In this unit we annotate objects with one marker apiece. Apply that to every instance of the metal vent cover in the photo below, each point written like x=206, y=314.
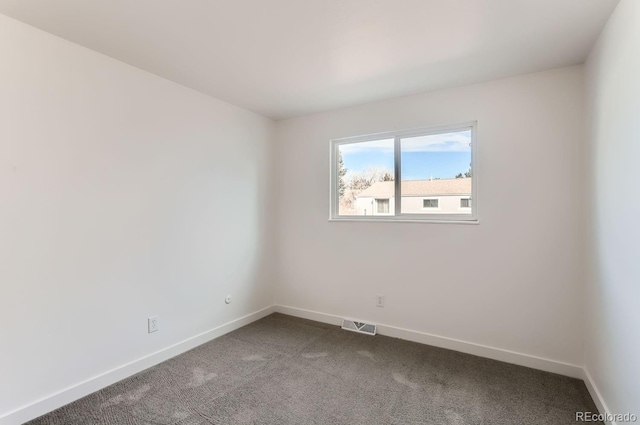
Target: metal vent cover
x=360, y=327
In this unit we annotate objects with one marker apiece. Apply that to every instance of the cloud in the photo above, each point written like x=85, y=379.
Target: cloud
x=459, y=141
x=377, y=146
x=448, y=142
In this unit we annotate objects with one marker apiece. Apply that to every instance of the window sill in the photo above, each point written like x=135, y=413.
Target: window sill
x=402, y=220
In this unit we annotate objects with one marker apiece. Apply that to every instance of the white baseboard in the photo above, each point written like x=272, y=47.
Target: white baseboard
x=75, y=392
x=595, y=395
x=500, y=354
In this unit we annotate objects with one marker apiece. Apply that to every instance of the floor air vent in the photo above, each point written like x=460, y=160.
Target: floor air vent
x=360, y=327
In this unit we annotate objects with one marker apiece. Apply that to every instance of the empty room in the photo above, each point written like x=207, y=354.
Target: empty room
x=350, y=212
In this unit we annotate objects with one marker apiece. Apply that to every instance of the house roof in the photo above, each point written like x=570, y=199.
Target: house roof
x=419, y=188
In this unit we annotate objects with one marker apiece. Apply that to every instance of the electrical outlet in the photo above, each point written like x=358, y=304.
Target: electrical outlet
x=380, y=300
x=154, y=324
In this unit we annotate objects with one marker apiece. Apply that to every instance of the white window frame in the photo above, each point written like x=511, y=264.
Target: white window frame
x=397, y=136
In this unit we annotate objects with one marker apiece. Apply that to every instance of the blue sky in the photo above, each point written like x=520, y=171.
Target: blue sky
x=440, y=155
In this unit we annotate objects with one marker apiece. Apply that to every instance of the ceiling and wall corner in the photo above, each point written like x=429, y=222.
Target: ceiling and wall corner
x=285, y=58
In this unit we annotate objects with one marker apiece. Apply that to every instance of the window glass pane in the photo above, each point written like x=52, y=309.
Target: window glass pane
x=365, y=173
x=430, y=203
x=436, y=166
x=382, y=206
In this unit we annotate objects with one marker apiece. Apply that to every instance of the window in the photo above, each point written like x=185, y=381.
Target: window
x=429, y=203
x=427, y=174
x=382, y=206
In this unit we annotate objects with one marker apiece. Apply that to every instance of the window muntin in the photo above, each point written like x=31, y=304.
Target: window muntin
x=435, y=164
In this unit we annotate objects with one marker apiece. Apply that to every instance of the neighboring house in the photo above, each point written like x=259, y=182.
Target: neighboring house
x=439, y=196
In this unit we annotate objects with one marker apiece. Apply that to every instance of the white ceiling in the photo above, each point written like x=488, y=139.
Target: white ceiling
x=283, y=58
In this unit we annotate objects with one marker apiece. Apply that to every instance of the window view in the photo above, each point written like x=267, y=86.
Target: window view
x=435, y=169
x=361, y=166
x=437, y=166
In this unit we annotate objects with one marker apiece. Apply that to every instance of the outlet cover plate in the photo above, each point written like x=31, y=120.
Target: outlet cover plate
x=154, y=324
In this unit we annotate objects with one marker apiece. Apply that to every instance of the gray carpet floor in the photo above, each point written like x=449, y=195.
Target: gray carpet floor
x=284, y=370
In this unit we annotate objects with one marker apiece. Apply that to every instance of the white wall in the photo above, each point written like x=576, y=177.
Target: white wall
x=367, y=206
x=414, y=205
x=514, y=282
x=122, y=195
x=449, y=204
x=613, y=296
